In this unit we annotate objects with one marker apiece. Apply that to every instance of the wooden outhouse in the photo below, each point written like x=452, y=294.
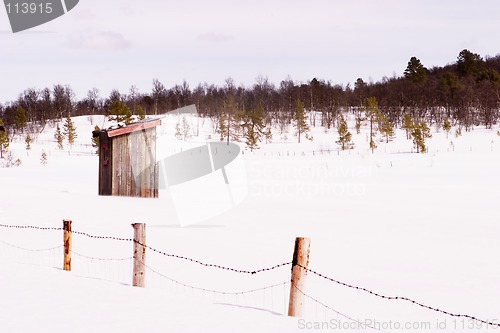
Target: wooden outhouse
x=127, y=160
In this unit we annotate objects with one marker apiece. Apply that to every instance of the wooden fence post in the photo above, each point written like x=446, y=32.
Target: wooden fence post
x=138, y=279
x=299, y=274
x=67, y=245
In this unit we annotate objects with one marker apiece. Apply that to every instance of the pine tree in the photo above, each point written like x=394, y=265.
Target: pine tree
x=229, y=120
x=370, y=107
x=43, y=158
x=140, y=112
x=251, y=138
x=4, y=141
x=469, y=63
x=182, y=129
x=70, y=130
x=59, y=137
x=415, y=71
x=447, y=127
x=119, y=112
x=407, y=125
x=345, y=137
x=95, y=140
x=373, y=145
x=299, y=120
x=20, y=119
x=386, y=128
x=426, y=131
x=419, y=133
x=254, y=128
x=28, y=142
x=359, y=122
x=222, y=127
x=178, y=131
x=418, y=140
x=186, y=128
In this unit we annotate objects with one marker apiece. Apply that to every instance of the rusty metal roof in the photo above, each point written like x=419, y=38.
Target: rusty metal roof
x=117, y=130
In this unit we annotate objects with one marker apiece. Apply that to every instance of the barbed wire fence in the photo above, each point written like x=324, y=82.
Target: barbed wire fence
x=48, y=257
x=329, y=308
x=110, y=269
x=119, y=269
x=400, y=298
x=43, y=256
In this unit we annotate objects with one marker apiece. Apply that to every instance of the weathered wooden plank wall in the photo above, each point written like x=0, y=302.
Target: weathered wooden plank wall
x=105, y=164
x=131, y=169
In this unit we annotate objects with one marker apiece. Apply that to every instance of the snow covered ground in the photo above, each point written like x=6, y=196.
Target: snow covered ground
x=424, y=226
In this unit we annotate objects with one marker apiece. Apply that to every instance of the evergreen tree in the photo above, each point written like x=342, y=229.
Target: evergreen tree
x=407, y=125
x=449, y=83
x=251, y=138
x=345, y=137
x=469, y=63
x=186, y=128
x=419, y=133
x=299, y=120
x=182, y=130
x=222, y=127
x=359, y=122
x=70, y=130
x=4, y=141
x=418, y=140
x=488, y=75
x=386, y=128
x=119, y=112
x=95, y=140
x=28, y=142
x=254, y=128
x=43, y=158
x=59, y=137
x=426, y=131
x=370, y=107
x=229, y=120
x=178, y=131
x=373, y=145
x=447, y=127
x=20, y=119
x=140, y=112
x=415, y=71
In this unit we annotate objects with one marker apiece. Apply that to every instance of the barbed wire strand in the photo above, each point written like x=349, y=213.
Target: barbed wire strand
x=192, y=260
x=30, y=227
x=36, y=255
x=31, y=250
x=120, y=239
x=227, y=293
x=100, y=259
x=104, y=266
x=402, y=298
x=332, y=309
x=242, y=271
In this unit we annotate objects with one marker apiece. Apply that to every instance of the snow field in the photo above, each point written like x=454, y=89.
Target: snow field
x=401, y=224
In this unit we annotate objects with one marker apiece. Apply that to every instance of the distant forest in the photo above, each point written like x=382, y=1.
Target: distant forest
x=467, y=92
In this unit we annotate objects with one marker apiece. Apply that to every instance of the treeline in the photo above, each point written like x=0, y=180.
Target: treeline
x=466, y=92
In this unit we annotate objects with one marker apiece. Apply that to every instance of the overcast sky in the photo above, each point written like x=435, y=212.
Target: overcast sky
x=114, y=44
